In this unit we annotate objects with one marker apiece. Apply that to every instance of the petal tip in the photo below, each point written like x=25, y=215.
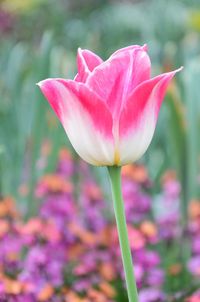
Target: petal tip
x=39, y=83
x=44, y=84
x=175, y=71
x=145, y=47
x=179, y=69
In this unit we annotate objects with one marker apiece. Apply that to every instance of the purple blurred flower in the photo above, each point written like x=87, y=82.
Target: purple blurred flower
x=194, y=265
x=151, y=295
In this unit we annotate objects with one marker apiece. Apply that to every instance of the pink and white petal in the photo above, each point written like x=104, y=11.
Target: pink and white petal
x=131, y=47
x=96, y=108
x=139, y=116
x=141, y=68
x=86, y=62
x=116, y=78
x=135, y=143
x=90, y=144
x=89, y=131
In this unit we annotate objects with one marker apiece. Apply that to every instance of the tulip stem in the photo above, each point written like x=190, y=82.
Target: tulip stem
x=115, y=179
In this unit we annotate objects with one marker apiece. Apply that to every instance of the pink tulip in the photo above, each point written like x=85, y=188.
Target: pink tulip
x=109, y=111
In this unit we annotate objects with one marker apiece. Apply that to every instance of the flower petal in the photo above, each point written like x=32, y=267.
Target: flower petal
x=139, y=116
x=131, y=47
x=116, y=78
x=86, y=61
x=85, y=118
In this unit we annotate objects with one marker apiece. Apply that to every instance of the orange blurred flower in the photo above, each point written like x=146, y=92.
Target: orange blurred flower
x=56, y=183
x=175, y=269
x=46, y=293
x=107, y=289
x=149, y=229
x=107, y=271
x=136, y=173
x=194, y=209
x=7, y=207
x=12, y=287
x=4, y=227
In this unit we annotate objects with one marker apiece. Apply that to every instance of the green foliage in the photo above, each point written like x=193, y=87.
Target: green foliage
x=22, y=110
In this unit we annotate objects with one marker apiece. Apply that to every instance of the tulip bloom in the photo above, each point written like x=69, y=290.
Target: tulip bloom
x=109, y=111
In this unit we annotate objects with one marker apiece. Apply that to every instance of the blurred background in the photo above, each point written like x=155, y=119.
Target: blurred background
x=39, y=39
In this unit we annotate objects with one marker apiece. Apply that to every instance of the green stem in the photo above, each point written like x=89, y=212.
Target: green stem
x=115, y=179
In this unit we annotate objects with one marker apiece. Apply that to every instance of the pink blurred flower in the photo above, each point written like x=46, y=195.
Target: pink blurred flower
x=7, y=21
x=195, y=297
x=109, y=111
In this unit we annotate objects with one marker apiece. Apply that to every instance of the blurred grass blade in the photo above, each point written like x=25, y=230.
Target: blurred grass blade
x=177, y=142
x=192, y=95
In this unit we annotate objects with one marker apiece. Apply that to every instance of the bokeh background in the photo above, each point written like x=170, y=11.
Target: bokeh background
x=45, y=202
